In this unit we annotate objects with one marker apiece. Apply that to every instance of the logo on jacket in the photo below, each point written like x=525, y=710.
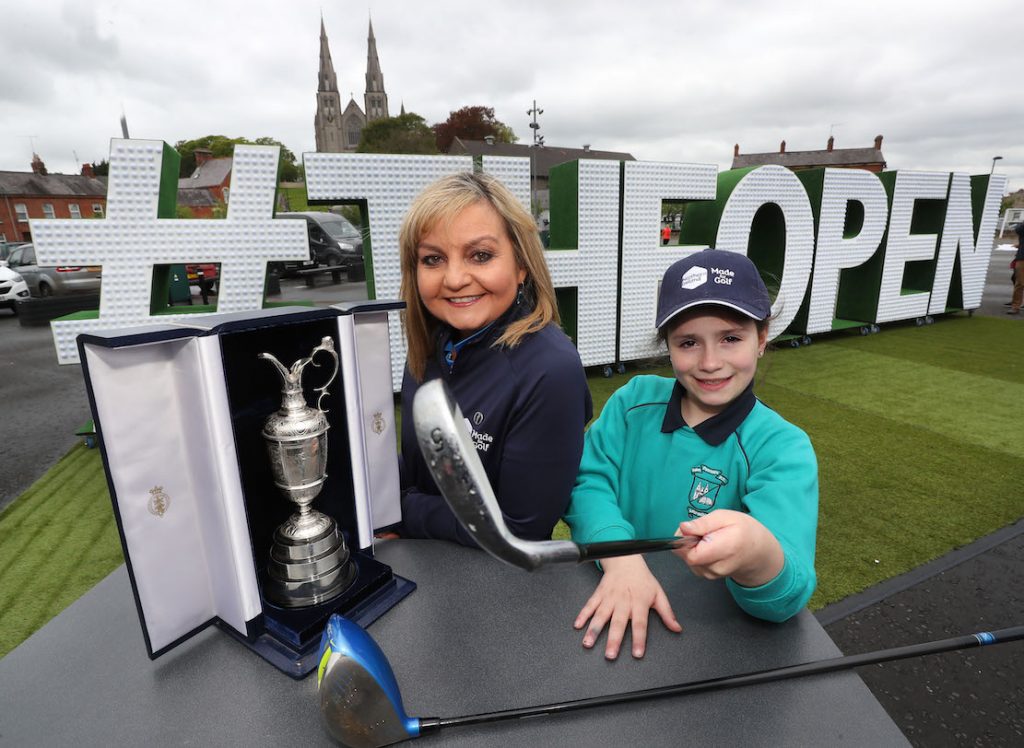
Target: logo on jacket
x=704, y=489
x=482, y=441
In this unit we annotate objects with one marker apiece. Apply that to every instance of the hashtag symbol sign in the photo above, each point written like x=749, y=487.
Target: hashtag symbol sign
x=132, y=239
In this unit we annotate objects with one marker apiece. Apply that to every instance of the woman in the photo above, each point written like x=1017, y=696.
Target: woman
x=481, y=315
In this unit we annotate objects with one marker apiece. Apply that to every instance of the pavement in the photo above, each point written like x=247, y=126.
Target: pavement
x=967, y=698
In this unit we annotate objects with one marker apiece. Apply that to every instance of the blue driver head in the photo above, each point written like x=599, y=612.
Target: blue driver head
x=359, y=699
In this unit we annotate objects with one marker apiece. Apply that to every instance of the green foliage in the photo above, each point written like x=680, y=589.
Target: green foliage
x=406, y=133
x=221, y=146
x=472, y=123
x=100, y=168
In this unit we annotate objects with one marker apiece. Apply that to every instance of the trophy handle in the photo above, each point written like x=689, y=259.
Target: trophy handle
x=327, y=344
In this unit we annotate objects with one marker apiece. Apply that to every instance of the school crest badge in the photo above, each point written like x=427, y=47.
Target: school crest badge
x=159, y=502
x=704, y=488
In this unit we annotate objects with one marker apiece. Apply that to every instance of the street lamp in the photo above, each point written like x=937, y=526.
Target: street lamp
x=993, y=169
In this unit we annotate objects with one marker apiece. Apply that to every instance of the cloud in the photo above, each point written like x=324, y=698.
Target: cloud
x=663, y=81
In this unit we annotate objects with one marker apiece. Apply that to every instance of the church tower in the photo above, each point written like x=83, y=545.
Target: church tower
x=331, y=135
x=375, y=99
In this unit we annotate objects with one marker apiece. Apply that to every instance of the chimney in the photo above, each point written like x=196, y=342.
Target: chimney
x=489, y=139
x=586, y=146
x=87, y=171
x=782, y=147
x=736, y=150
x=878, y=142
x=202, y=156
x=38, y=167
x=831, y=142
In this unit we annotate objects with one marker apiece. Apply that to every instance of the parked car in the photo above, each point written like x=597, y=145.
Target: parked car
x=12, y=289
x=204, y=275
x=6, y=248
x=49, y=281
x=333, y=242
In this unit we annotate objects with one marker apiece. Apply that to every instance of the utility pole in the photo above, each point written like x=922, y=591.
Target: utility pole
x=538, y=141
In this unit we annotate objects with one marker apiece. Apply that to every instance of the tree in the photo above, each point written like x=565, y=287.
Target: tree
x=221, y=146
x=406, y=133
x=472, y=123
x=100, y=168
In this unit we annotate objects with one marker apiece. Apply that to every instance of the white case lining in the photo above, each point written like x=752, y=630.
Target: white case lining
x=186, y=562
x=366, y=361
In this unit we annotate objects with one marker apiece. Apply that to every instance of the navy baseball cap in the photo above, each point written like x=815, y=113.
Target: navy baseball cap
x=713, y=276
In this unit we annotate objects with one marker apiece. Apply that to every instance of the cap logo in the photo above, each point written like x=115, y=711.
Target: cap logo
x=723, y=276
x=694, y=277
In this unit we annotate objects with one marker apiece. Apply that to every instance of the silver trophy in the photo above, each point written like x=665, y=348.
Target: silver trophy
x=309, y=562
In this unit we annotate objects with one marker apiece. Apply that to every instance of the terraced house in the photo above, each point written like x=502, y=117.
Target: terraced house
x=39, y=194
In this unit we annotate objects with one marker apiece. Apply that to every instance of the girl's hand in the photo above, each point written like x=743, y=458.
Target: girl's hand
x=626, y=592
x=734, y=544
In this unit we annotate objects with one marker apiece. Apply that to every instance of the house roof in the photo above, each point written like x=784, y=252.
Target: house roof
x=196, y=197
x=791, y=159
x=63, y=185
x=544, y=157
x=211, y=174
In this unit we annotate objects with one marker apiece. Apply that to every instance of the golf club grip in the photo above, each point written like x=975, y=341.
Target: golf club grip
x=1001, y=636
x=612, y=548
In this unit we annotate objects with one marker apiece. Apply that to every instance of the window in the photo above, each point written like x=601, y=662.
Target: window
x=3, y=237
x=97, y=210
x=22, y=211
x=48, y=211
x=227, y=191
x=76, y=212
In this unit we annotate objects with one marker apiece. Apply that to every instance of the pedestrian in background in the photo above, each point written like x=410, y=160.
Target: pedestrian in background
x=1018, y=272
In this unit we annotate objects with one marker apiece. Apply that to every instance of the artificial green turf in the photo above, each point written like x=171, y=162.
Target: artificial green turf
x=917, y=433
x=57, y=540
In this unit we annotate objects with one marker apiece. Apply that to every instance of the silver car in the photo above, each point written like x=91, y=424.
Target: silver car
x=50, y=281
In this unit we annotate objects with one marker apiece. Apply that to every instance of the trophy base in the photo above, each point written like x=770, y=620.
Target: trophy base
x=308, y=572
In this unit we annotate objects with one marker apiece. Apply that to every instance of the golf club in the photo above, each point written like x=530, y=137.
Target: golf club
x=460, y=476
x=362, y=707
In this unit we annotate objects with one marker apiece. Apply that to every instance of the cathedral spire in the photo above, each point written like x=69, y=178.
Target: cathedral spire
x=375, y=99
x=328, y=81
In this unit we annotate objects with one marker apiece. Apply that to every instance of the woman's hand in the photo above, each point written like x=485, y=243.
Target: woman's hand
x=626, y=592
x=733, y=544
x=388, y=535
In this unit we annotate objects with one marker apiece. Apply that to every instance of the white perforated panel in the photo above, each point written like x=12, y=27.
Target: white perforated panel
x=834, y=253
x=514, y=173
x=593, y=266
x=644, y=259
x=388, y=183
x=778, y=185
x=958, y=236
x=902, y=247
x=131, y=240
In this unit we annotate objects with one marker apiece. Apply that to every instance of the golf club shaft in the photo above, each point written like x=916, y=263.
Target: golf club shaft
x=1013, y=633
x=612, y=548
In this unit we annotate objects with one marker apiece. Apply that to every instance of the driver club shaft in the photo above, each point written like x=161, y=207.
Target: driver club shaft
x=847, y=662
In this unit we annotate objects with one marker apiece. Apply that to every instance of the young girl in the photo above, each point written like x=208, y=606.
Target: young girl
x=699, y=455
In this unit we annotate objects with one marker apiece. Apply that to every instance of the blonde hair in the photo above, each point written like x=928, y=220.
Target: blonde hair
x=443, y=201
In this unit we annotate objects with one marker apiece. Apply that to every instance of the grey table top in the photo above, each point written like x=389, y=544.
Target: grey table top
x=476, y=636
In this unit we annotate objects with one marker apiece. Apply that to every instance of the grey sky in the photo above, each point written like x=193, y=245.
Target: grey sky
x=671, y=81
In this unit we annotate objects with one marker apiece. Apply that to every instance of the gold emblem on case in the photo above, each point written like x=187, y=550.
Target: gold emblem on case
x=378, y=423
x=159, y=502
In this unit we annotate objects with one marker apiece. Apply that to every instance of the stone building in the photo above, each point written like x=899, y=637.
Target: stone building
x=339, y=130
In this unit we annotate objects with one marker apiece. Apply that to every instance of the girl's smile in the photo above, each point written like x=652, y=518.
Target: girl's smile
x=714, y=355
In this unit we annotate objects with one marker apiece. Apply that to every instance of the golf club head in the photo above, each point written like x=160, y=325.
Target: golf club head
x=360, y=703
x=451, y=456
